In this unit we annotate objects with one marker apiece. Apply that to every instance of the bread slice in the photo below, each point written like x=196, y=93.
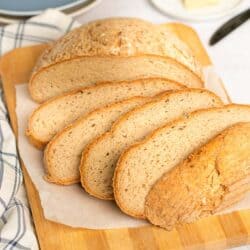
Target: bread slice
x=113, y=50
x=63, y=153
x=142, y=165
x=212, y=178
x=52, y=116
x=100, y=157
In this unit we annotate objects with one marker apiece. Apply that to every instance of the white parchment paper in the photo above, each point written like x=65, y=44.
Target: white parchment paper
x=71, y=205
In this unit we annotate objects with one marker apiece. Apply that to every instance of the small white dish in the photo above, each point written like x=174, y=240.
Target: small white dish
x=175, y=8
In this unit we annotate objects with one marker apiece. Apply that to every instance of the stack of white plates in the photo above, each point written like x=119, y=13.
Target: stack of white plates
x=15, y=10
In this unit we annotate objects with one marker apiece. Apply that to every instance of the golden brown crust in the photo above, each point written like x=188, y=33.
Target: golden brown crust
x=120, y=164
x=212, y=178
x=38, y=143
x=115, y=126
x=48, y=150
x=119, y=37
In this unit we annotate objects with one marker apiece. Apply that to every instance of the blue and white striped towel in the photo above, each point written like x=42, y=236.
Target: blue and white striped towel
x=16, y=228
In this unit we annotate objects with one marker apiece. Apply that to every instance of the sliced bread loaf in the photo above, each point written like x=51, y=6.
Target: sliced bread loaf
x=212, y=178
x=52, y=116
x=63, y=153
x=143, y=164
x=113, y=50
x=100, y=157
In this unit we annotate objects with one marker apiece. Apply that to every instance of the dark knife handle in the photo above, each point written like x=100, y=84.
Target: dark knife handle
x=229, y=26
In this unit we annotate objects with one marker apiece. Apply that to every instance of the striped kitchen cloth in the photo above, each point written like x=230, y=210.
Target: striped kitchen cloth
x=16, y=227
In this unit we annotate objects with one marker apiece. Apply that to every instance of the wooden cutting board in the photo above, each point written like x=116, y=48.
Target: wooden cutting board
x=217, y=232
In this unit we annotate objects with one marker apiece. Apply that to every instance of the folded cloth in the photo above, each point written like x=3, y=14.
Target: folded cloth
x=16, y=227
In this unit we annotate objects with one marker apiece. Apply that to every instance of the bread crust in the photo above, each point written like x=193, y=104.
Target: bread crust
x=115, y=126
x=38, y=143
x=119, y=37
x=210, y=179
x=120, y=166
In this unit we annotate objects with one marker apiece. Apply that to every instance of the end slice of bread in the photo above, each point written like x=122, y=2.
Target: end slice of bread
x=143, y=164
x=100, y=157
x=52, y=116
x=212, y=178
x=63, y=153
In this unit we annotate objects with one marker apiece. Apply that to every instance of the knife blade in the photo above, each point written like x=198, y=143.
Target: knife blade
x=229, y=26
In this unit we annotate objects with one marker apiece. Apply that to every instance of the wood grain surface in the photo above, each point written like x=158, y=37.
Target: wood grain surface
x=217, y=232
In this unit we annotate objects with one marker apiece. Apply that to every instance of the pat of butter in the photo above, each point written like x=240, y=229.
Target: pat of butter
x=194, y=4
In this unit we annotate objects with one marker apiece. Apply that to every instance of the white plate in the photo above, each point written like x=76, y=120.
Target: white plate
x=175, y=8
x=73, y=12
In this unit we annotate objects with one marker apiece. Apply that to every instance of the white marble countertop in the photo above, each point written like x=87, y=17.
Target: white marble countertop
x=231, y=56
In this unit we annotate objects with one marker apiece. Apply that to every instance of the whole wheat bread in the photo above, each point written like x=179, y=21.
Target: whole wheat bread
x=115, y=49
x=100, y=157
x=63, y=153
x=52, y=116
x=143, y=164
x=212, y=178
